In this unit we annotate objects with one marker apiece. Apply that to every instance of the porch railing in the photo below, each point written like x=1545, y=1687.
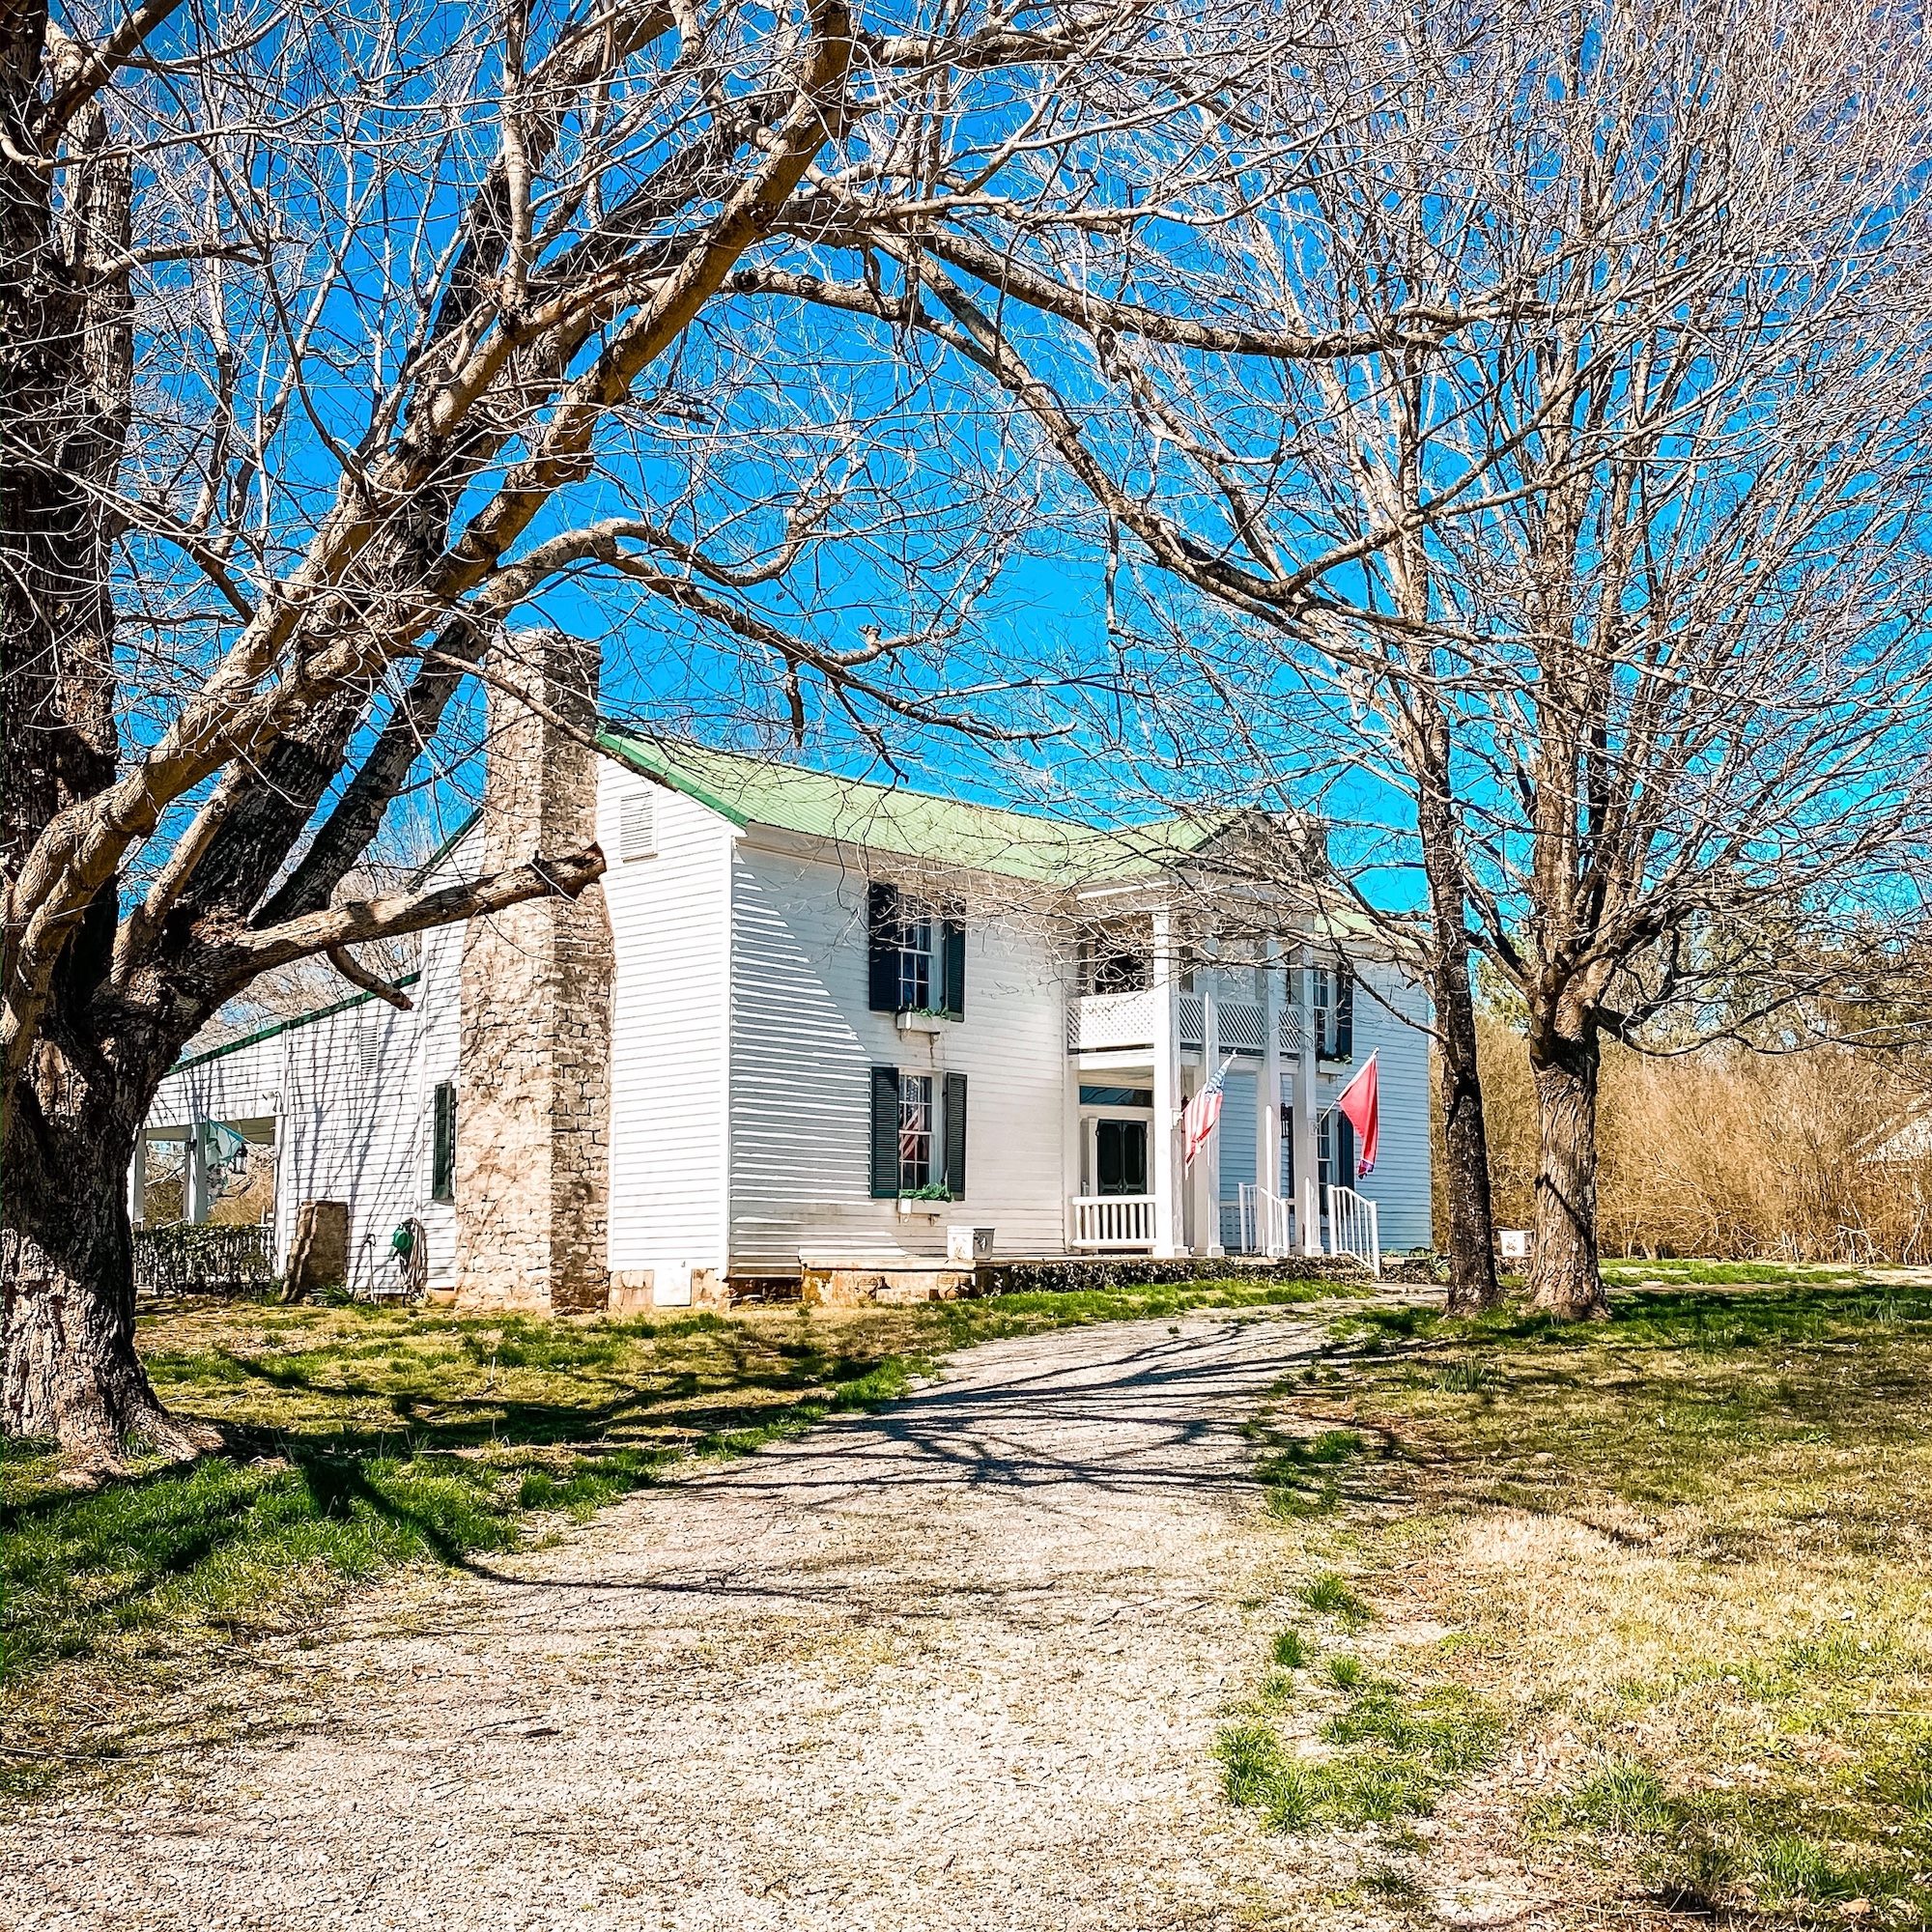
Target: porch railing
x=1267, y=1222
x=1100, y=1020
x=1112, y=1221
x=1353, y=1229
x=1242, y=1029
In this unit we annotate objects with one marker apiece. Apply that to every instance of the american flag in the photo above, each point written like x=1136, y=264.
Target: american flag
x=1199, y=1116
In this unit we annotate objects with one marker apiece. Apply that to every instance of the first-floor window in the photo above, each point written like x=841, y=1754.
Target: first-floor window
x=915, y=1131
x=443, y=1143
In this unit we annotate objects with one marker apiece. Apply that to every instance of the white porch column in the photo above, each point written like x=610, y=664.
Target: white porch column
x=137, y=1180
x=1164, y=1148
x=1307, y=1180
x=1069, y=1136
x=1208, y=1223
x=194, y=1174
x=1267, y=1093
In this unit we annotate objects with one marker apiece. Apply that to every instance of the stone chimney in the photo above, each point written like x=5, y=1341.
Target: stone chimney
x=533, y=1088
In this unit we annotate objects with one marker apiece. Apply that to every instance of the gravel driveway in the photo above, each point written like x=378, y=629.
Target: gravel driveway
x=953, y=1665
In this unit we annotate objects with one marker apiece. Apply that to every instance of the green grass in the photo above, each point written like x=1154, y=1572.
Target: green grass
x=1292, y=1651
x=1690, y=1540
x=1725, y=1274
x=1329, y=1595
x=1388, y=1755
x=365, y=1439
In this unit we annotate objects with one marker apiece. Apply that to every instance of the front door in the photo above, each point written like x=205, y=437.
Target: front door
x=1121, y=1156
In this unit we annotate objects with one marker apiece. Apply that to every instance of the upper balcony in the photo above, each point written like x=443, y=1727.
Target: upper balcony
x=1121, y=1022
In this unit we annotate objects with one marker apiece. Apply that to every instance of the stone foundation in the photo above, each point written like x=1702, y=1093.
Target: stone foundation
x=533, y=1092
x=858, y=1284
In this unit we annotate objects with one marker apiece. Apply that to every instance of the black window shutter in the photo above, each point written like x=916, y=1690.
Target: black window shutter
x=956, y=1135
x=1288, y=1151
x=1345, y=1012
x=882, y=951
x=1344, y=1149
x=885, y=1132
x=952, y=969
x=443, y=1143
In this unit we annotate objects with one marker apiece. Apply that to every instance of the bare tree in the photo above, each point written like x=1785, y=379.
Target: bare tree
x=1487, y=378
x=329, y=338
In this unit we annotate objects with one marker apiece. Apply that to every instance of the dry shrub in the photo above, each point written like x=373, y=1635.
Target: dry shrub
x=1729, y=1153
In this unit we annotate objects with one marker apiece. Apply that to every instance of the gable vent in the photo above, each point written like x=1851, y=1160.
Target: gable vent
x=637, y=827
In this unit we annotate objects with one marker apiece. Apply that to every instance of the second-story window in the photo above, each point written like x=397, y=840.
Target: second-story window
x=915, y=1132
x=1334, y=1011
x=915, y=966
x=915, y=956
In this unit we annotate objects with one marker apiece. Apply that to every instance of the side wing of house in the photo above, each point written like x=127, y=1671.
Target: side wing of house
x=336, y=1096
x=807, y=1049
x=1391, y=1018
x=347, y=1097
x=669, y=890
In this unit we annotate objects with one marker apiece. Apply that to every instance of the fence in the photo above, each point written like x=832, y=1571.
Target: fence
x=202, y=1258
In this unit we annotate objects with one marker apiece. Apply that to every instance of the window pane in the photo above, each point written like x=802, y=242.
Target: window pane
x=915, y=964
x=915, y=1131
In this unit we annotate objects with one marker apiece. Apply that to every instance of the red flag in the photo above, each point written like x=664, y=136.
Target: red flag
x=1359, y=1100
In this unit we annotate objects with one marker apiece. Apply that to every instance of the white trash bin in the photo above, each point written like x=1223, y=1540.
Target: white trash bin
x=968, y=1244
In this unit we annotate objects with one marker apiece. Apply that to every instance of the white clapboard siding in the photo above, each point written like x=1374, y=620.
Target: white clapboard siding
x=1390, y=1015
x=439, y=997
x=670, y=931
x=342, y=1091
x=349, y=1096
x=804, y=1041
x=351, y=1092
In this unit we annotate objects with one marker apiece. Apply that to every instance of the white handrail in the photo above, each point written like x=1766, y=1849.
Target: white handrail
x=1353, y=1230
x=1112, y=1221
x=1267, y=1222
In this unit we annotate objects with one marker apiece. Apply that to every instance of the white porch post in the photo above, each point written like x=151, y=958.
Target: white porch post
x=1070, y=1138
x=1164, y=1153
x=1307, y=1180
x=137, y=1180
x=194, y=1174
x=1267, y=1093
x=1209, y=1225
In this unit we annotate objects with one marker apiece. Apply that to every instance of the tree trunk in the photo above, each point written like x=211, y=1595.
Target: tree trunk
x=1470, y=1234
x=66, y=1287
x=1473, y=1287
x=1567, y=1282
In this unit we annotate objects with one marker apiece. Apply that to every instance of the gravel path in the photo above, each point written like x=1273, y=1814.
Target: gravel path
x=953, y=1665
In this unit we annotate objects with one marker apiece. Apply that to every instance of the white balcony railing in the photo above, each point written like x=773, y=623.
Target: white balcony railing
x=1243, y=1029
x=1266, y=1222
x=1353, y=1229
x=1112, y=1221
x=1099, y=1020
x=1291, y=1032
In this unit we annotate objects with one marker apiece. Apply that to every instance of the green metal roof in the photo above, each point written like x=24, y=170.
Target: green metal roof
x=274, y=1027
x=893, y=818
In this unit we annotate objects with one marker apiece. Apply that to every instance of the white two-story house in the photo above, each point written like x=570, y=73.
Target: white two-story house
x=807, y=1020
